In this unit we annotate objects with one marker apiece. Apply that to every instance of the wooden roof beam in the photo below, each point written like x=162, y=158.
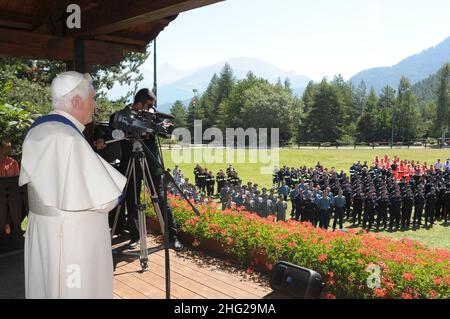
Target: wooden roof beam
x=40, y=46
x=16, y=21
x=116, y=15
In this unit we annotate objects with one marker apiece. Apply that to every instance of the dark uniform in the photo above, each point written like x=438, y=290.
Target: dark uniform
x=419, y=202
x=395, y=208
x=430, y=207
x=210, y=181
x=440, y=202
x=348, y=200
x=299, y=203
x=197, y=170
x=202, y=181
x=339, y=206
x=357, y=207
x=369, y=212
x=220, y=182
x=408, y=203
x=308, y=212
x=446, y=200
x=382, y=210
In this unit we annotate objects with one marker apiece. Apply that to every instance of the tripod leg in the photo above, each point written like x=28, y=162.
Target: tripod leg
x=154, y=196
x=119, y=207
x=143, y=228
x=163, y=222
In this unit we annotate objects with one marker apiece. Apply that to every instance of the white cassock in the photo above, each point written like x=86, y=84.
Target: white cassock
x=71, y=189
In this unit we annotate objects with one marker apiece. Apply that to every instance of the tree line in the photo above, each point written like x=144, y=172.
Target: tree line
x=328, y=111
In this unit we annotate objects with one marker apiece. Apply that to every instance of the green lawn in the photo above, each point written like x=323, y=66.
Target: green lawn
x=341, y=159
x=438, y=236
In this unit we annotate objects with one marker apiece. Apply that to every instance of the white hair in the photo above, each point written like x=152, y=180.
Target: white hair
x=64, y=103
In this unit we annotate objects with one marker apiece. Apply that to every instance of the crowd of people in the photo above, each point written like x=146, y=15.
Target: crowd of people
x=378, y=197
x=403, y=168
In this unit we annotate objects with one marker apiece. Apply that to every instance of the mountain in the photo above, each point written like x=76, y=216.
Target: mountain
x=183, y=88
x=176, y=84
x=168, y=74
x=426, y=90
x=415, y=68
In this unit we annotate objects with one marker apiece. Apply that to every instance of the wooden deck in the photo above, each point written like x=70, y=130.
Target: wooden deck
x=193, y=276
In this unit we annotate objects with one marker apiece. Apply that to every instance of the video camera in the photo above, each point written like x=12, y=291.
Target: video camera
x=137, y=123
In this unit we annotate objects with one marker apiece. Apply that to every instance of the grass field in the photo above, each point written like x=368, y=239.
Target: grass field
x=438, y=236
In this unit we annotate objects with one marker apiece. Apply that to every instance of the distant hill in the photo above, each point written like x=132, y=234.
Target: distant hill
x=426, y=89
x=415, y=68
x=182, y=86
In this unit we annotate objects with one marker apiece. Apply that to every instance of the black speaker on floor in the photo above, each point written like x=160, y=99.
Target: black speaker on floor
x=295, y=281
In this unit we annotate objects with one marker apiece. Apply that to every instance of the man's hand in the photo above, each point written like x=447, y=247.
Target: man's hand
x=100, y=144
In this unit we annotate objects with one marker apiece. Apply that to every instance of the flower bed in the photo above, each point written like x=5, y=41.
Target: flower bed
x=353, y=265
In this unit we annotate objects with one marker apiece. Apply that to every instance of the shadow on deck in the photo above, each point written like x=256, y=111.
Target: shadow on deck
x=193, y=276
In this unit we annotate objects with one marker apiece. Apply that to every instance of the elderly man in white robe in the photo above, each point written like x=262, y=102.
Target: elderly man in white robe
x=71, y=190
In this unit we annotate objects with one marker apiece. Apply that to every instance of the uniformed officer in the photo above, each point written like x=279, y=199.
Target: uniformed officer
x=408, y=203
x=197, y=170
x=395, y=208
x=293, y=195
x=280, y=209
x=249, y=204
x=339, y=203
x=382, y=205
x=357, y=200
x=221, y=179
x=419, y=202
x=210, y=181
x=430, y=207
x=369, y=211
x=202, y=180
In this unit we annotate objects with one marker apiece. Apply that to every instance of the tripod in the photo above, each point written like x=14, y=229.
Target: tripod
x=139, y=157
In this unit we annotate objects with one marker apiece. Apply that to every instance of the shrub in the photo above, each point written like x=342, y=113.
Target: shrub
x=349, y=261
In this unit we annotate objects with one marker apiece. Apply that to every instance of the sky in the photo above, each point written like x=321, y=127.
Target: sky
x=315, y=38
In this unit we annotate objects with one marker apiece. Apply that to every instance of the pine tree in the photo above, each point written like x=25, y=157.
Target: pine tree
x=361, y=97
x=219, y=90
x=386, y=106
x=178, y=110
x=405, y=115
x=194, y=112
x=324, y=121
x=442, y=121
x=366, y=126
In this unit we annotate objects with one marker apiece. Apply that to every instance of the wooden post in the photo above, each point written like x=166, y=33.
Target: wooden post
x=79, y=62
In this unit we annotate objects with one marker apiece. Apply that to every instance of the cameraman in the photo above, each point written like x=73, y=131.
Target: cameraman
x=143, y=100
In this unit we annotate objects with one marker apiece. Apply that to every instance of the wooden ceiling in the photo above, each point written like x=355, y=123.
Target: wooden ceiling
x=109, y=28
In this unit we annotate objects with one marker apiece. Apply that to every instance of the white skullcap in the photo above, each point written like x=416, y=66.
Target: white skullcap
x=66, y=82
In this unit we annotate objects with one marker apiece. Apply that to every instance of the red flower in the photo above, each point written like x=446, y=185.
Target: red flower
x=408, y=276
x=292, y=244
x=322, y=257
x=406, y=295
x=380, y=292
x=438, y=281
x=249, y=270
x=330, y=296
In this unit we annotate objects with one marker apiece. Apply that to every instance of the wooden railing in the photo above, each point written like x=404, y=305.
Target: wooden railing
x=13, y=209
